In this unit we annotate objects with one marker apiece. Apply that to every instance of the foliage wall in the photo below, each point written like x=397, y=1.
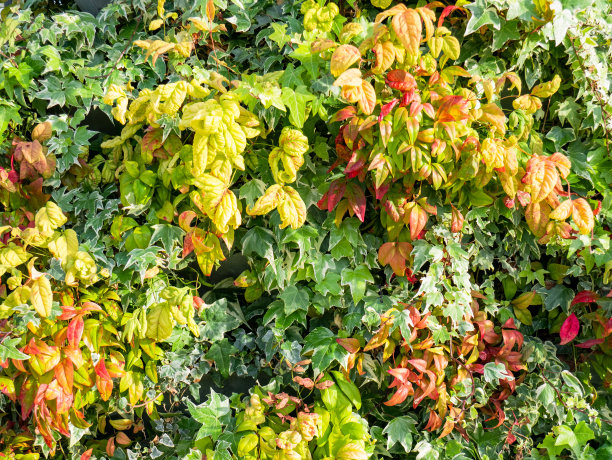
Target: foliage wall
x=257, y=229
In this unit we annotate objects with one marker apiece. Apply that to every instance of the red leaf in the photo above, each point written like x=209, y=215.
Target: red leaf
x=68, y=312
x=590, y=343
x=386, y=109
x=103, y=380
x=356, y=199
x=446, y=11
x=187, y=245
x=585, y=297
x=355, y=165
x=89, y=306
x=344, y=114
x=87, y=454
x=335, y=194
x=75, y=331
x=569, y=329
x=399, y=396
x=400, y=80
x=452, y=108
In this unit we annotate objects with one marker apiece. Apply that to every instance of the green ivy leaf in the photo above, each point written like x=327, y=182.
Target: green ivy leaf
x=494, y=372
x=213, y=415
x=482, y=15
x=169, y=235
x=399, y=430
x=295, y=299
x=356, y=280
x=297, y=102
x=8, y=349
x=279, y=34
x=220, y=353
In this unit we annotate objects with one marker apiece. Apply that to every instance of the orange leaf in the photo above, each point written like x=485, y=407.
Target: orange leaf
x=87, y=454
x=110, y=446
x=64, y=373
x=367, y=100
x=399, y=396
x=448, y=427
x=542, y=177
x=407, y=27
x=562, y=163
x=350, y=345
x=395, y=255
x=537, y=218
x=122, y=439
x=582, y=214
x=456, y=220
x=418, y=219
x=344, y=56
x=210, y=10
x=75, y=331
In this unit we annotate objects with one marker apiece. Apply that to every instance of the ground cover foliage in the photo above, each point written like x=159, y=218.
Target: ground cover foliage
x=306, y=230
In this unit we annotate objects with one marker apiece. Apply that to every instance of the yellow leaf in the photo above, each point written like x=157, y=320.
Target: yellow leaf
x=563, y=211
x=201, y=24
x=200, y=154
x=114, y=92
x=293, y=141
x=42, y=296
x=528, y=103
x=13, y=255
x=547, y=89
x=175, y=98
x=42, y=132
x=492, y=153
x=119, y=111
x=292, y=209
x=493, y=114
x=291, y=165
x=64, y=246
x=139, y=107
x=582, y=214
x=209, y=254
x=344, y=56
x=210, y=10
x=385, y=55
x=562, y=163
x=524, y=300
x=157, y=48
x=350, y=77
x=509, y=183
x=407, y=27
x=218, y=202
x=451, y=47
x=156, y=24
x=428, y=16
x=196, y=90
x=268, y=201
x=513, y=78
x=49, y=218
